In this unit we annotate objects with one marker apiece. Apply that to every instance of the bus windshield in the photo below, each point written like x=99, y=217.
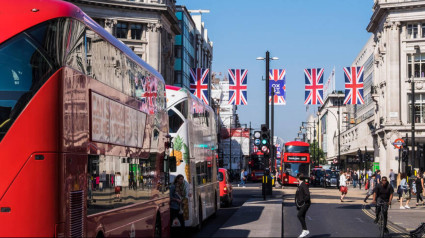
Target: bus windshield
x=297, y=149
x=257, y=163
x=294, y=168
x=23, y=67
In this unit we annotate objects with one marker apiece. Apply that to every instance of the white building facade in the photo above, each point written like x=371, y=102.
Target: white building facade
x=394, y=54
x=331, y=117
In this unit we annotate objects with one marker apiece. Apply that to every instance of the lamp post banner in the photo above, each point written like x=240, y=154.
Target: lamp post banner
x=277, y=83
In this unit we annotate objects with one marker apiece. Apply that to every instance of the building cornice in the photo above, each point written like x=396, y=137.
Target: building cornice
x=382, y=9
x=165, y=10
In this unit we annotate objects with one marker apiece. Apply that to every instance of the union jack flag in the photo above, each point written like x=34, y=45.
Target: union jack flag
x=353, y=85
x=238, y=88
x=313, y=86
x=199, y=83
x=278, y=84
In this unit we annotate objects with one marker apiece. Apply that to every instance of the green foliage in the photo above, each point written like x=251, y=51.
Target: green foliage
x=316, y=154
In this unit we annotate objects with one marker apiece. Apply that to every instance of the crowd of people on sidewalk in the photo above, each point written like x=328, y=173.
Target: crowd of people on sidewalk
x=370, y=180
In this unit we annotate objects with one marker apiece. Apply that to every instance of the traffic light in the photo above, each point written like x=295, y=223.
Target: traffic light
x=265, y=135
x=405, y=154
x=359, y=155
x=369, y=158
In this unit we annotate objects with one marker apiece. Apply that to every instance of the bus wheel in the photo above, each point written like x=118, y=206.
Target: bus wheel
x=199, y=227
x=157, y=227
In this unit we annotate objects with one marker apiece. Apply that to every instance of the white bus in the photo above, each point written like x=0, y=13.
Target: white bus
x=192, y=125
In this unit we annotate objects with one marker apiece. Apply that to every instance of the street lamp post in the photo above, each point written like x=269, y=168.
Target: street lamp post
x=339, y=132
x=267, y=78
x=314, y=139
x=413, y=160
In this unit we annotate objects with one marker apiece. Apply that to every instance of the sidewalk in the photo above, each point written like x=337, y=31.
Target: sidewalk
x=255, y=218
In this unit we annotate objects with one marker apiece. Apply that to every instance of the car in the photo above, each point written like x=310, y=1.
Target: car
x=330, y=179
x=226, y=189
x=315, y=175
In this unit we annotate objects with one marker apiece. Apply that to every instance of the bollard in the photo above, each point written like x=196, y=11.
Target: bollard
x=263, y=186
x=269, y=185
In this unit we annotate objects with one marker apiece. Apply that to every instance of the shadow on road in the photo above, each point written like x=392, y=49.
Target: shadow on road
x=354, y=206
x=322, y=235
x=232, y=233
x=245, y=215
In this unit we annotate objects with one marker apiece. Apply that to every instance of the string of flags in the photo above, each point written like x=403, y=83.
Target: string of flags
x=316, y=90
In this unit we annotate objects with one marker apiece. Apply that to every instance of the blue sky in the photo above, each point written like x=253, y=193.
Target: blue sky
x=301, y=33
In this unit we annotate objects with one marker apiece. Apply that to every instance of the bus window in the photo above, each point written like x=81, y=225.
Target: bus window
x=296, y=149
x=175, y=121
x=183, y=108
x=23, y=68
x=294, y=168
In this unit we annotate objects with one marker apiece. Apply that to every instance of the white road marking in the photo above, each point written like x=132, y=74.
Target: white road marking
x=309, y=218
x=359, y=219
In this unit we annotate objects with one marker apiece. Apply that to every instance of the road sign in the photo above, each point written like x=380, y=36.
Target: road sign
x=398, y=143
x=257, y=134
x=257, y=142
x=264, y=148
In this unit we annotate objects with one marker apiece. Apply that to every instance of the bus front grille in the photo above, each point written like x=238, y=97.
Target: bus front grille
x=76, y=214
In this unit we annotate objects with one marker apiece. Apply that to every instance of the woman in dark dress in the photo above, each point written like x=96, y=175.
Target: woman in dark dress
x=419, y=189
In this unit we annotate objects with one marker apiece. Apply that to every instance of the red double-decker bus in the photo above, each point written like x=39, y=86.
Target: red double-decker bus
x=257, y=166
x=296, y=159
x=83, y=126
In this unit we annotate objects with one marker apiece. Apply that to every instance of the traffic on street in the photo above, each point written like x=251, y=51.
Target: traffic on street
x=130, y=118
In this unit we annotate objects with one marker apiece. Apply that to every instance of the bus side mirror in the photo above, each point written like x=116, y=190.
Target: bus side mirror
x=172, y=163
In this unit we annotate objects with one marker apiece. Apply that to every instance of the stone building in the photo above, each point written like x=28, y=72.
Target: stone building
x=398, y=29
x=331, y=117
x=148, y=27
x=356, y=137
x=393, y=55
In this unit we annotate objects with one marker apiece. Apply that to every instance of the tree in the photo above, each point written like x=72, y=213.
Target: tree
x=317, y=154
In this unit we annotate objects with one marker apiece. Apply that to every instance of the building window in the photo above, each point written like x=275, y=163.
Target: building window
x=423, y=30
x=122, y=30
x=177, y=77
x=412, y=31
x=177, y=51
x=416, y=65
x=419, y=108
x=136, y=31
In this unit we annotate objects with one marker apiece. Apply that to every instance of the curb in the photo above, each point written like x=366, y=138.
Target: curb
x=367, y=209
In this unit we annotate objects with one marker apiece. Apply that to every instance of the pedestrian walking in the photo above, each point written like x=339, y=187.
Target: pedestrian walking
x=369, y=174
x=355, y=179
x=176, y=200
x=302, y=202
x=392, y=179
x=378, y=176
x=404, y=191
x=243, y=178
x=419, y=189
x=343, y=185
x=372, y=185
x=360, y=179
